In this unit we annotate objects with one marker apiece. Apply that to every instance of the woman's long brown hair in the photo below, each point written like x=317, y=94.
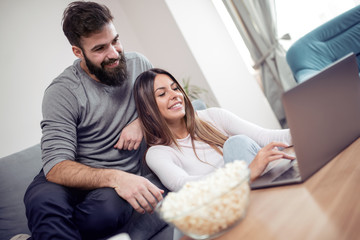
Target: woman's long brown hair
x=156, y=130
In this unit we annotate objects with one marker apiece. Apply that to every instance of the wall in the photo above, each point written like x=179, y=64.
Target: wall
x=163, y=43
x=34, y=51
x=220, y=62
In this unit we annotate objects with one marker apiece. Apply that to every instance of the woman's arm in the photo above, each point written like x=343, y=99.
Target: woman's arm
x=231, y=124
x=270, y=140
x=164, y=164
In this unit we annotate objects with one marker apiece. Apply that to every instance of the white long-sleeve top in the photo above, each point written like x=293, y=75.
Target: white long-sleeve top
x=175, y=166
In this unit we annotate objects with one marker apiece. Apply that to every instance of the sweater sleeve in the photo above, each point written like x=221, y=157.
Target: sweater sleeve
x=231, y=125
x=163, y=162
x=58, y=142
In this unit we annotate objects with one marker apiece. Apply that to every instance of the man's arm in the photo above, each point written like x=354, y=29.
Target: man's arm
x=138, y=191
x=130, y=137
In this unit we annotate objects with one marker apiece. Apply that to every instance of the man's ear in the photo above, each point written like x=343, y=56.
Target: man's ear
x=78, y=52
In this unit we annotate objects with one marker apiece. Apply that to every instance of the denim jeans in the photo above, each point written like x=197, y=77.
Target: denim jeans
x=240, y=147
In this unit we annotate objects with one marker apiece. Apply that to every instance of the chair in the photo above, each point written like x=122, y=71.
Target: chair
x=325, y=44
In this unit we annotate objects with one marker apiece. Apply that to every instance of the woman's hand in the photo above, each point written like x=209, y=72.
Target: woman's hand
x=266, y=155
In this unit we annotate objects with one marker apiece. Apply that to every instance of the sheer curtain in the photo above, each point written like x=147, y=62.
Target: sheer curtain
x=256, y=22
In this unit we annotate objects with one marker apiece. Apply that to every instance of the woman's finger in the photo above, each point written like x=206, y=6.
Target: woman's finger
x=275, y=144
x=290, y=157
x=274, y=157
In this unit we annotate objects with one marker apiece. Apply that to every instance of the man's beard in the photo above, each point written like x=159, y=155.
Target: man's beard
x=112, y=77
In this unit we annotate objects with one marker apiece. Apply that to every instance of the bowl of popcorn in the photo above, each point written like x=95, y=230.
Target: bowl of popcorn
x=209, y=207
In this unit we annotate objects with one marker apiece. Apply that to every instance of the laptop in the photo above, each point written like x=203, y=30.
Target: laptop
x=323, y=114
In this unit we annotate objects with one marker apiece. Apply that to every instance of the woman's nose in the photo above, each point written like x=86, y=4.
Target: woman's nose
x=174, y=94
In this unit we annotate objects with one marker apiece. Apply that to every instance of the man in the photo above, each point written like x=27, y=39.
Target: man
x=92, y=141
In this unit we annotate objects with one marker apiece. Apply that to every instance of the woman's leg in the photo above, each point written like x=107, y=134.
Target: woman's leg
x=240, y=147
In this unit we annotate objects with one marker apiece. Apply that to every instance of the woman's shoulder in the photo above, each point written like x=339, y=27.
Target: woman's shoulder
x=160, y=153
x=159, y=149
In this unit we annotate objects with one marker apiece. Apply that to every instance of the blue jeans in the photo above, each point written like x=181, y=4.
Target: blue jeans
x=240, y=147
x=58, y=212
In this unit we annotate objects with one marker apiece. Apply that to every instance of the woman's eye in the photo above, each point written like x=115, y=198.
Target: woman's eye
x=161, y=94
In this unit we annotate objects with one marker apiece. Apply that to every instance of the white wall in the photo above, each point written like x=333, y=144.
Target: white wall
x=34, y=51
x=162, y=42
x=220, y=62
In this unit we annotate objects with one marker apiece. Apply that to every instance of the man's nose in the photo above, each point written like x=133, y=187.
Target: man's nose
x=113, y=52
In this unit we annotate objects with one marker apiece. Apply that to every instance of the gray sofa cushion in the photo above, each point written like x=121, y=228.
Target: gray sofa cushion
x=16, y=173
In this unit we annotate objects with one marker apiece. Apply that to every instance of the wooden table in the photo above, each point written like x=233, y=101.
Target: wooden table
x=326, y=206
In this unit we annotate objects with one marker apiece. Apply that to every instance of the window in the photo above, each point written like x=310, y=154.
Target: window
x=294, y=17
x=300, y=17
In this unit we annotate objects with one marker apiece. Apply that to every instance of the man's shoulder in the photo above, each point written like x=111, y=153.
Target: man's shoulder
x=135, y=55
x=137, y=60
x=136, y=63
x=69, y=78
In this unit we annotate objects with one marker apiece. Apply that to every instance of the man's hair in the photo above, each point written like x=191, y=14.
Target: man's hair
x=81, y=19
x=156, y=130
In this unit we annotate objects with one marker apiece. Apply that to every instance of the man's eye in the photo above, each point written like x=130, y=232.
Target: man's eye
x=99, y=49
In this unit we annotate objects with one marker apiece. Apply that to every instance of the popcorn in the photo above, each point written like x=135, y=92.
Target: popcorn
x=208, y=206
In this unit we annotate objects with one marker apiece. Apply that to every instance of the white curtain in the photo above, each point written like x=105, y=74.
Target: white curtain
x=256, y=22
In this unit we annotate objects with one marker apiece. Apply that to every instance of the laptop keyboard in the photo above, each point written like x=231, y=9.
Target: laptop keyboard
x=291, y=173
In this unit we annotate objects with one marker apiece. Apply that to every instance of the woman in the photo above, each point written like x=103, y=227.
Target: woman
x=185, y=146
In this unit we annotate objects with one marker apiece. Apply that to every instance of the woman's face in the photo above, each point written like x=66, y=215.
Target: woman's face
x=169, y=98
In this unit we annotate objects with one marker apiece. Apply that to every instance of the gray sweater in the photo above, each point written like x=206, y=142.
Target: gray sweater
x=83, y=119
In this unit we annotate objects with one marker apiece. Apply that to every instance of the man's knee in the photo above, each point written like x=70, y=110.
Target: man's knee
x=47, y=205
x=101, y=213
x=46, y=197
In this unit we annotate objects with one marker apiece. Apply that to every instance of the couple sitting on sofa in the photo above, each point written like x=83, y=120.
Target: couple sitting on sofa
x=91, y=179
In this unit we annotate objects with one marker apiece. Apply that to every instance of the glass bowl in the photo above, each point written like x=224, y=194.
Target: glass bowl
x=201, y=214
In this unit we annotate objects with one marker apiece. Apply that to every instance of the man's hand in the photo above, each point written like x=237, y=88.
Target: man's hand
x=130, y=137
x=138, y=191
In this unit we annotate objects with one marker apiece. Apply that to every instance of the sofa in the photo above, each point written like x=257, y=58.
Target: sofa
x=16, y=172
x=325, y=45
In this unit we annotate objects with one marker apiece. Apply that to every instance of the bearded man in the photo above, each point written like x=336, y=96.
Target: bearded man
x=92, y=143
